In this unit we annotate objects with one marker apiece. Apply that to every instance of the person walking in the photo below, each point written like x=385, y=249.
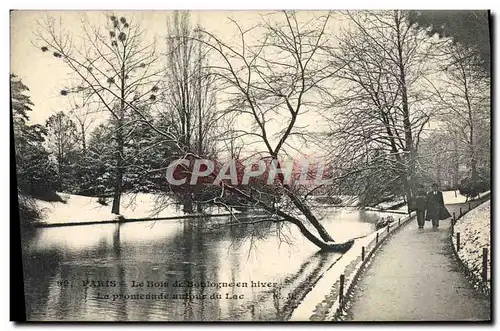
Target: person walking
x=420, y=206
x=436, y=209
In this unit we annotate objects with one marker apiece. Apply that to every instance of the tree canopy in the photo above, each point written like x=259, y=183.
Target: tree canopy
x=470, y=28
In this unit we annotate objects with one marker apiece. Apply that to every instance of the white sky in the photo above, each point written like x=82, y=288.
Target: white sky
x=47, y=76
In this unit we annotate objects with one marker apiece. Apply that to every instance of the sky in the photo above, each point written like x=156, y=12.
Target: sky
x=46, y=76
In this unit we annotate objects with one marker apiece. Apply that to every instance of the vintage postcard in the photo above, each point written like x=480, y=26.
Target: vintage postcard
x=182, y=166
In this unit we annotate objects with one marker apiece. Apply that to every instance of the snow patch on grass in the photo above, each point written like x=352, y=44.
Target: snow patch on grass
x=390, y=204
x=449, y=197
x=452, y=197
x=77, y=208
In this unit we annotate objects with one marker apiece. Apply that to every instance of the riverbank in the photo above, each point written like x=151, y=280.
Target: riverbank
x=176, y=250
x=323, y=301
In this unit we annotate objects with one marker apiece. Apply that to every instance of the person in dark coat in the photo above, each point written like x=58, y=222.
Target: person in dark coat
x=436, y=210
x=420, y=205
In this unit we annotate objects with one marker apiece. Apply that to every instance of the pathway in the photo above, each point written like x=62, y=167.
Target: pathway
x=415, y=277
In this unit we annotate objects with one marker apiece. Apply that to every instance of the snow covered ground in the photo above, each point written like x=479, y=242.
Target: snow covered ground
x=389, y=204
x=77, y=208
x=451, y=197
x=475, y=234
x=74, y=209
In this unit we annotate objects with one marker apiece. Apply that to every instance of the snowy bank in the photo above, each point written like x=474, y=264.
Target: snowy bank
x=74, y=208
x=77, y=208
x=475, y=234
x=449, y=197
x=452, y=197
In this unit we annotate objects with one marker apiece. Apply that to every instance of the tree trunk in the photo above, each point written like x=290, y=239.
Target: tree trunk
x=471, y=127
x=200, y=122
x=117, y=194
x=325, y=245
x=456, y=166
x=473, y=169
x=309, y=215
x=304, y=209
x=115, y=209
x=199, y=101
x=84, y=143
x=409, y=146
x=119, y=173
x=473, y=163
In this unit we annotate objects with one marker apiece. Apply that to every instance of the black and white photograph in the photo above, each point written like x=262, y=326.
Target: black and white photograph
x=251, y=165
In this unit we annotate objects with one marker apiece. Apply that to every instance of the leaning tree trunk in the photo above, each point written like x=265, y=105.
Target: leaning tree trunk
x=324, y=245
x=325, y=242
x=310, y=216
x=304, y=209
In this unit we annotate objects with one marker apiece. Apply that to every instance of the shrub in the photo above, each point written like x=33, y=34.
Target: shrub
x=336, y=201
x=329, y=200
x=102, y=200
x=471, y=189
x=29, y=211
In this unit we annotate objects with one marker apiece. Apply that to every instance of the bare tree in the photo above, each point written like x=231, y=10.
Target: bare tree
x=276, y=78
x=189, y=97
x=379, y=109
x=190, y=92
x=231, y=140
x=62, y=141
x=440, y=157
x=83, y=114
x=463, y=100
x=115, y=66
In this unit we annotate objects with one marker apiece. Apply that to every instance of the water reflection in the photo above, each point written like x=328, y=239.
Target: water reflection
x=102, y=263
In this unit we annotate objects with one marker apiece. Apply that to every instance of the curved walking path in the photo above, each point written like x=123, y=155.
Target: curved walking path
x=415, y=277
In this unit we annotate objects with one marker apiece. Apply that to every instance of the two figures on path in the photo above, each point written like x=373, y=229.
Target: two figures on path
x=430, y=207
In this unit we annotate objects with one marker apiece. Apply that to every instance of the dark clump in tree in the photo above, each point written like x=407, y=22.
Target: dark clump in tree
x=468, y=27
x=472, y=188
